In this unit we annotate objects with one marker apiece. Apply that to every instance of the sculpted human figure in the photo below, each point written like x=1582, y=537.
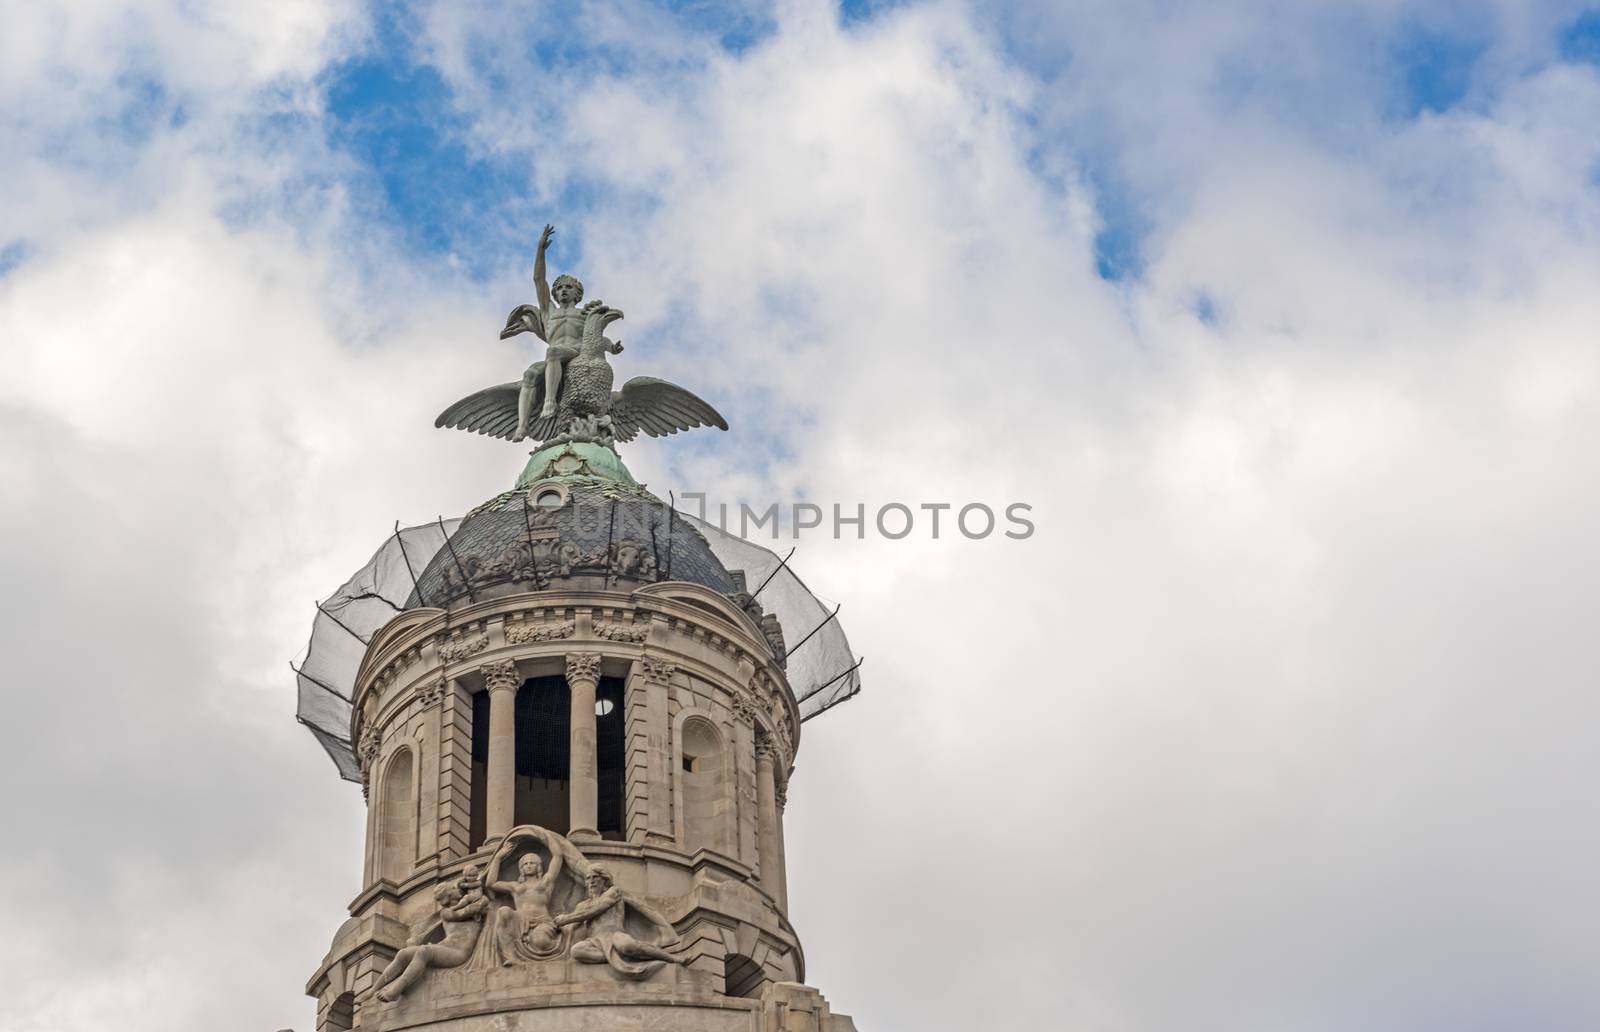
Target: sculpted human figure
x=460, y=914
x=605, y=940
x=527, y=929
x=572, y=385
x=558, y=322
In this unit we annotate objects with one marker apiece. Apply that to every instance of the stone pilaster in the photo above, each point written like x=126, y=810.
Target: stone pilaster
x=455, y=772
x=649, y=756
x=768, y=827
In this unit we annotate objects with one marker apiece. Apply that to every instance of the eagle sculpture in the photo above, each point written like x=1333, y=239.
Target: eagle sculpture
x=586, y=408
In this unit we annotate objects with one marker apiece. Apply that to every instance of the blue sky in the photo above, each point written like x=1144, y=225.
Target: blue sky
x=421, y=172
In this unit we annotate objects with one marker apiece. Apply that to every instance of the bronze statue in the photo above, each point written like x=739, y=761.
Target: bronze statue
x=571, y=386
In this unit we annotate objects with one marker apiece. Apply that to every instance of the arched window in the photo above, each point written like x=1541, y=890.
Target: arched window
x=707, y=798
x=397, y=819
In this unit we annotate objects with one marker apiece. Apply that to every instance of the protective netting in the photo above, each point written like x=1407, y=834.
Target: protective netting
x=346, y=622
x=821, y=668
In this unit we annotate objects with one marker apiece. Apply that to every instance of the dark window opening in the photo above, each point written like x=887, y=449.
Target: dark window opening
x=341, y=1014
x=611, y=755
x=690, y=763
x=742, y=976
x=544, y=749
x=478, y=805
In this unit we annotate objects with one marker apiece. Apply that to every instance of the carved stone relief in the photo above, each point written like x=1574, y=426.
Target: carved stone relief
x=542, y=554
x=554, y=902
x=656, y=669
x=583, y=666
x=367, y=751
x=459, y=917
x=634, y=633
x=501, y=675
x=524, y=633
x=452, y=651
x=435, y=692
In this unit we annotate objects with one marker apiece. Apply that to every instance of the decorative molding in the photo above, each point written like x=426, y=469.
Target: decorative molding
x=583, y=666
x=367, y=747
x=634, y=633
x=434, y=693
x=524, y=633
x=461, y=648
x=744, y=710
x=656, y=669
x=501, y=676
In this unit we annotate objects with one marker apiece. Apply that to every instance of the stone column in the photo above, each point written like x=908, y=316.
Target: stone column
x=583, y=792
x=501, y=811
x=769, y=829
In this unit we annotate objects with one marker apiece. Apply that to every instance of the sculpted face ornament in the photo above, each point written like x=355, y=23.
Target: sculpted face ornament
x=567, y=395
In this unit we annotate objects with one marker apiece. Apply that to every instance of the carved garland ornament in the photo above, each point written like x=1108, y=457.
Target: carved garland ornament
x=633, y=633
x=527, y=633
x=452, y=651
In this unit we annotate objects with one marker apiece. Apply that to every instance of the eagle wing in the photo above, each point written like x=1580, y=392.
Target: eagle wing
x=493, y=411
x=658, y=408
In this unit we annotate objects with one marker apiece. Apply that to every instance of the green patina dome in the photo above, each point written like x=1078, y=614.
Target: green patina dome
x=576, y=461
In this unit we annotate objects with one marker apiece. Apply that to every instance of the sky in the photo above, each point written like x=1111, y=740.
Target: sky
x=1281, y=318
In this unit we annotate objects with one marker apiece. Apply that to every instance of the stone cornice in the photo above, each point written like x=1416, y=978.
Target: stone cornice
x=417, y=645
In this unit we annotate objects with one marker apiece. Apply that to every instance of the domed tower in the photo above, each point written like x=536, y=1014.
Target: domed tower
x=574, y=724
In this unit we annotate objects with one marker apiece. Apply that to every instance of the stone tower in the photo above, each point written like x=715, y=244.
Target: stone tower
x=575, y=737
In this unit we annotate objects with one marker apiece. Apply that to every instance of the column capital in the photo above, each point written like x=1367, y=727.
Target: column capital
x=501, y=676
x=583, y=666
x=656, y=669
x=435, y=692
x=766, y=748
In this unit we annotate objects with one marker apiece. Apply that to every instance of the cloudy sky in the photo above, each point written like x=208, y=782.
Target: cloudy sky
x=1282, y=317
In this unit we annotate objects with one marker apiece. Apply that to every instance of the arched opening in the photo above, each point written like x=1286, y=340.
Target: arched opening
x=707, y=804
x=341, y=1014
x=397, y=821
x=742, y=976
x=544, y=749
x=610, y=755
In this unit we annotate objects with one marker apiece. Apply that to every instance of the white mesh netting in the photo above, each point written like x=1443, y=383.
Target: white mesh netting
x=821, y=668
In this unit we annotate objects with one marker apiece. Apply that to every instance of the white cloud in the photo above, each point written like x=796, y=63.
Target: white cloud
x=1278, y=721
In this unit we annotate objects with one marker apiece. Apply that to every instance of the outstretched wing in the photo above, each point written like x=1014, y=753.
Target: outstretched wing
x=658, y=408
x=491, y=411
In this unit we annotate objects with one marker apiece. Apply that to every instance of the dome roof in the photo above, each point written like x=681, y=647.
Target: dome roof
x=576, y=519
